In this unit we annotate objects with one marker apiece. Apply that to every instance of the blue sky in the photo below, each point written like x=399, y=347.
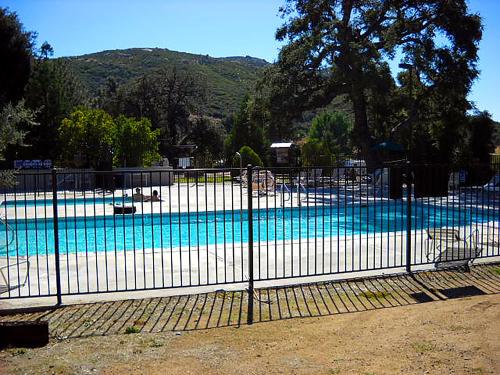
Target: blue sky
x=216, y=27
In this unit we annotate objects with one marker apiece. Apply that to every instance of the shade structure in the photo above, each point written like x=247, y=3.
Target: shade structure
x=389, y=146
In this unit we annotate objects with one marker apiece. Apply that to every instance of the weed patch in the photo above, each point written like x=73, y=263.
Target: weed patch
x=376, y=295
x=132, y=329
x=422, y=346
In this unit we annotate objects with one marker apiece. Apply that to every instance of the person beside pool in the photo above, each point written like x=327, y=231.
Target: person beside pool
x=154, y=198
x=138, y=196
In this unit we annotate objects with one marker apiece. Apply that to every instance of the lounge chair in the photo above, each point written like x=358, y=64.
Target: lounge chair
x=445, y=248
x=263, y=182
x=311, y=177
x=454, y=181
x=489, y=237
x=338, y=175
x=15, y=263
x=5, y=283
x=493, y=186
x=380, y=179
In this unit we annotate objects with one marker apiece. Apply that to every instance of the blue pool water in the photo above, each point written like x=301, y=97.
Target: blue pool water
x=69, y=201
x=153, y=231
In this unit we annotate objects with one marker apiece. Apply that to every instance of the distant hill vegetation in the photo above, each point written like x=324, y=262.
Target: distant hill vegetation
x=496, y=135
x=227, y=78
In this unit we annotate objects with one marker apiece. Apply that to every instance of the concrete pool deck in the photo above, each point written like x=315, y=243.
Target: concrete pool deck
x=178, y=198
x=193, y=197
x=168, y=271
x=188, y=270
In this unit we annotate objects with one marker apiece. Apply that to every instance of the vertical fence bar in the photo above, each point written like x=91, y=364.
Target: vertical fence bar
x=250, y=245
x=56, y=235
x=408, y=215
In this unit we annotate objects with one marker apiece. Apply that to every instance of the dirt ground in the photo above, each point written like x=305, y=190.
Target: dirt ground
x=453, y=336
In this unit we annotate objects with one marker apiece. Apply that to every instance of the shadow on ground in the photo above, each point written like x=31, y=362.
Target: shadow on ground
x=229, y=308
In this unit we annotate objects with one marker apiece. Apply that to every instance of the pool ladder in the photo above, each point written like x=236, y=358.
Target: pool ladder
x=3, y=221
x=285, y=189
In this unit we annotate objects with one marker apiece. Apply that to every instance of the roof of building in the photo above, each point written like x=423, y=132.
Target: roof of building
x=282, y=145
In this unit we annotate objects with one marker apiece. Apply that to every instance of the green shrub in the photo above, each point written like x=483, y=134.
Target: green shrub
x=135, y=144
x=91, y=137
x=328, y=139
x=315, y=153
x=249, y=156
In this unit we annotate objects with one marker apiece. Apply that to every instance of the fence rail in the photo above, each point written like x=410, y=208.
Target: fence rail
x=140, y=230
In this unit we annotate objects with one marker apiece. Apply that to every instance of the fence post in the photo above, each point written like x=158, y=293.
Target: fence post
x=250, y=245
x=409, y=184
x=56, y=236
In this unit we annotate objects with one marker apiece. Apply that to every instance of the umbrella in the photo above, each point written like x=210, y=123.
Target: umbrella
x=389, y=146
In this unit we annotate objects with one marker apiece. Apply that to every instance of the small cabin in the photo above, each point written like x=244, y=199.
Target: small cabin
x=284, y=153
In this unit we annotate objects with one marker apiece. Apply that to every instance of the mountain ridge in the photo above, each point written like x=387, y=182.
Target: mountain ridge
x=228, y=79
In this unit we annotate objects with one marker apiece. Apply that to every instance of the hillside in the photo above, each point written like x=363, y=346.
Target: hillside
x=227, y=78
x=496, y=135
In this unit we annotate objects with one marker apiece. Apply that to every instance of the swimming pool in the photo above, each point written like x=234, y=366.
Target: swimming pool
x=173, y=230
x=69, y=201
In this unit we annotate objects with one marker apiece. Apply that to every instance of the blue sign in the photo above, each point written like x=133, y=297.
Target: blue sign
x=33, y=164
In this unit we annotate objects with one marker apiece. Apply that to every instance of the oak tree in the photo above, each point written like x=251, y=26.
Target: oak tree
x=336, y=47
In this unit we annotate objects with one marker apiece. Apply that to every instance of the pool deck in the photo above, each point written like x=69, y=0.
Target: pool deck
x=168, y=271
x=178, y=198
x=200, y=197
x=162, y=272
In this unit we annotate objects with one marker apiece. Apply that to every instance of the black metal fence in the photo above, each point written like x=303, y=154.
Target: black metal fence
x=89, y=232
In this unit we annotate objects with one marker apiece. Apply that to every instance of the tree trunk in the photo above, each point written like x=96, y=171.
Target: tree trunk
x=361, y=132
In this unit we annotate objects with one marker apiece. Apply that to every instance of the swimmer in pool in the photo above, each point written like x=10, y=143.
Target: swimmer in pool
x=138, y=196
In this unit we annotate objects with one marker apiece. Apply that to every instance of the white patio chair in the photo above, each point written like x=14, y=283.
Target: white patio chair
x=6, y=281
x=489, y=235
x=11, y=266
x=313, y=177
x=263, y=182
x=446, y=248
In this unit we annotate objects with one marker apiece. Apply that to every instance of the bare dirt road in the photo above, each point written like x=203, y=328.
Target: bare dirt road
x=454, y=336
